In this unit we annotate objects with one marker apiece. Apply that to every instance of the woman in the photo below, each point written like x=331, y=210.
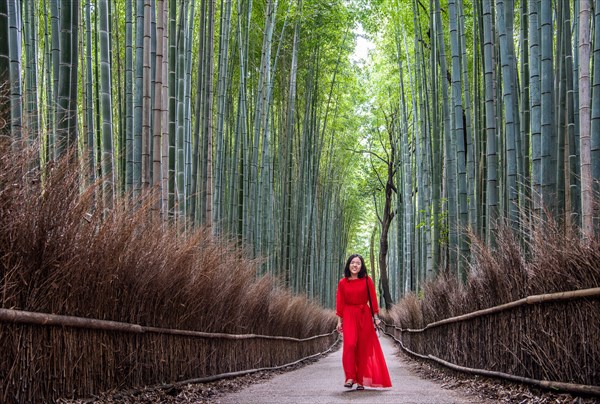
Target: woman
x=362, y=357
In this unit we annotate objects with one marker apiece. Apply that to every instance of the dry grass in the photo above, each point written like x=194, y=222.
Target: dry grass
x=554, y=341
x=59, y=255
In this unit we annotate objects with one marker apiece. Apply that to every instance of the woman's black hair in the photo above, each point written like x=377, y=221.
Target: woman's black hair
x=363, y=268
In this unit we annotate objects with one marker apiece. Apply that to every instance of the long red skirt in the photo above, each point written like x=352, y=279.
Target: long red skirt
x=362, y=356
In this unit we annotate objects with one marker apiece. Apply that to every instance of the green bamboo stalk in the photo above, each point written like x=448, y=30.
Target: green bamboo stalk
x=55, y=50
x=425, y=187
x=459, y=134
x=165, y=138
x=172, y=65
x=14, y=40
x=470, y=142
x=490, y=127
x=535, y=106
x=46, y=68
x=422, y=155
x=222, y=87
x=180, y=181
x=572, y=174
x=31, y=96
x=241, y=200
x=153, y=87
x=187, y=125
x=449, y=145
x=197, y=203
x=266, y=202
x=436, y=142
x=404, y=164
x=158, y=107
x=525, y=111
x=146, y=95
x=68, y=71
x=261, y=109
x=138, y=89
x=286, y=195
x=209, y=113
x=514, y=71
x=5, y=99
x=480, y=136
x=97, y=99
x=90, y=144
x=548, y=112
x=190, y=17
x=560, y=101
x=575, y=86
x=117, y=60
x=508, y=84
x=595, y=113
x=584, y=118
x=129, y=106
x=106, y=109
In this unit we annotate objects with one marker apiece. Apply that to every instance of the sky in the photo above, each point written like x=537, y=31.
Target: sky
x=363, y=45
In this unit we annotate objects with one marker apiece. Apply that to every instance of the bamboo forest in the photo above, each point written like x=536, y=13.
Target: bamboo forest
x=186, y=179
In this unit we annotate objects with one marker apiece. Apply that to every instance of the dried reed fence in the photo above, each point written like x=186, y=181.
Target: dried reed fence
x=519, y=341
x=529, y=312
x=63, y=256
x=46, y=357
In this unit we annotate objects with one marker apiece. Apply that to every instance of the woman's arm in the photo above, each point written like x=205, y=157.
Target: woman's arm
x=373, y=301
x=339, y=304
x=338, y=327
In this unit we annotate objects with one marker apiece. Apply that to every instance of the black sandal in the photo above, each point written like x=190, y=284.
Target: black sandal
x=349, y=383
x=360, y=387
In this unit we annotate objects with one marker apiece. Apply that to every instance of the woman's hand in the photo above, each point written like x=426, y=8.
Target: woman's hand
x=339, y=326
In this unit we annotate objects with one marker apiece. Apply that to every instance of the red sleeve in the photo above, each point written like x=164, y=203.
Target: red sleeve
x=339, y=299
x=373, y=295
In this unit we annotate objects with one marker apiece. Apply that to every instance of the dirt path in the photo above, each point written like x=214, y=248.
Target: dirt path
x=322, y=382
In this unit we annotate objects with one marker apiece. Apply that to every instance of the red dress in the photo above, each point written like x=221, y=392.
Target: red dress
x=362, y=356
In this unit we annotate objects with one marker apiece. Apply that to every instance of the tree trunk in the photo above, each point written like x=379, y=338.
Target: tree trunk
x=386, y=219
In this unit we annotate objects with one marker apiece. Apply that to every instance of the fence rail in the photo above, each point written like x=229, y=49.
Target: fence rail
x=27, y=317
x=534, y=299
x=511, y=336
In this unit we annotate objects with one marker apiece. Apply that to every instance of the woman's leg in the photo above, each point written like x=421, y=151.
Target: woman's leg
x=364, y=345
x=349, y=350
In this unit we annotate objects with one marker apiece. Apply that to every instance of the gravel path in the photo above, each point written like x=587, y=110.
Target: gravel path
x=322, y=382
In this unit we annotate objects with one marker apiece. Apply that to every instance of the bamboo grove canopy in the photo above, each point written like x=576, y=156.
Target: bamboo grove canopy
x=251, y=118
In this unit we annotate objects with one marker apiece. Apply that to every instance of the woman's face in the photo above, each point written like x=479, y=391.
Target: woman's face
x=355, y=266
